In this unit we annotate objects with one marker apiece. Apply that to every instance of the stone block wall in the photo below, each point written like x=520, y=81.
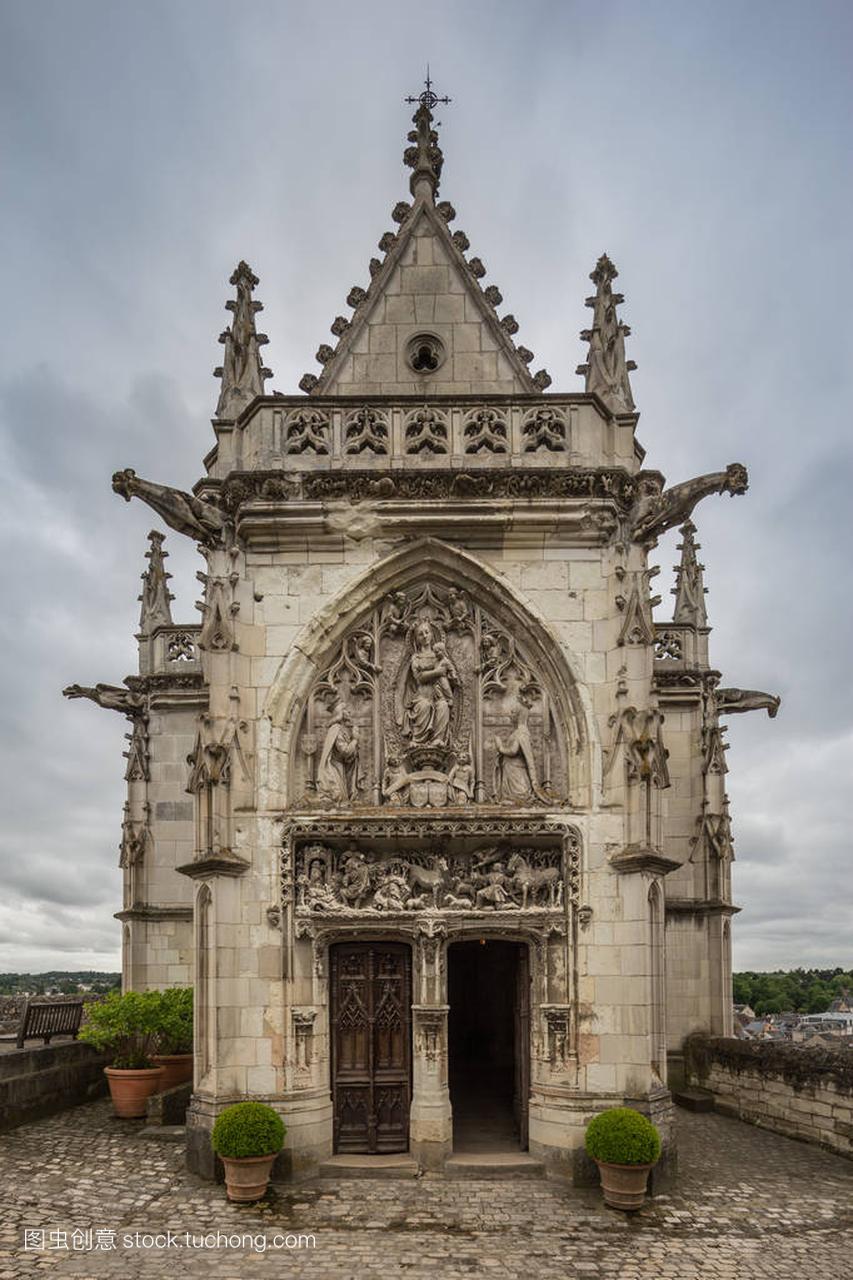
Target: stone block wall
x=799, y=1092
x=36, y=1082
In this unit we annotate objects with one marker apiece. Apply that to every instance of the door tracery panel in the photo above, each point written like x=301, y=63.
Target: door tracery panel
x=371, y=997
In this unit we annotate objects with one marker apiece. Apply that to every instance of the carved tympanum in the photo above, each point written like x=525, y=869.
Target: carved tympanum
x=428, y=703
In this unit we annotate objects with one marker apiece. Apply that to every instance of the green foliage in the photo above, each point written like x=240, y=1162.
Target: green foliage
x=622, y=1136
x=126, y=1025
x=800, y=990
x=176, y=1021
x=15, y=984
x=248, y=1129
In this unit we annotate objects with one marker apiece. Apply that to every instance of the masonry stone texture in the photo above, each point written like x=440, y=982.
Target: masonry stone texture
x=428, y=714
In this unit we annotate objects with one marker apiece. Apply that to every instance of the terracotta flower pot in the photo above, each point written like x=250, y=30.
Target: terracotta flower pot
x=177, y=1069
x=624, y=1185
x=246, y=1177
x=130, y=1090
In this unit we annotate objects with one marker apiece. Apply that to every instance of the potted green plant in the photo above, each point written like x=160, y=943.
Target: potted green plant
x=625, y=1145
x=127, y=1026
x=247, y=1137
x=175, y=1037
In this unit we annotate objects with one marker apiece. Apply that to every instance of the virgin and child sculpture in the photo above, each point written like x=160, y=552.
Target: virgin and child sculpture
x=426, y=690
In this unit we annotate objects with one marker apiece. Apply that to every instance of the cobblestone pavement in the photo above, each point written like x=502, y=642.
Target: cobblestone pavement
x=748, y=1204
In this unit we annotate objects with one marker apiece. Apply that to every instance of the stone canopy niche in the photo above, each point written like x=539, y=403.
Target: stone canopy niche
x=429, y=703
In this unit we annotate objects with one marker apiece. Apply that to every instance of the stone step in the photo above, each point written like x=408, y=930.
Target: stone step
x=493, y=1164
x=694, y=1099
x=358, y=1166
x=163, y=1133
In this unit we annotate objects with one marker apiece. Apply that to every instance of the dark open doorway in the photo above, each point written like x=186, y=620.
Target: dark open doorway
x=488, y=1043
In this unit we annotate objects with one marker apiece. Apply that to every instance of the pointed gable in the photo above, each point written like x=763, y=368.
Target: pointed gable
x=425, y=287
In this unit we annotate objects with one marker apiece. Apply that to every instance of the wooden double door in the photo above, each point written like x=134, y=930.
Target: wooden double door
x=371, y=1001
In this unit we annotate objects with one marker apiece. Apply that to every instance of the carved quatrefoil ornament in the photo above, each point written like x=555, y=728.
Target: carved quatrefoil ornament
x=425, y=353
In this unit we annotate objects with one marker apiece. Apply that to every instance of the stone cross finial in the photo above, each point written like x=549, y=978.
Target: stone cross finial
x=689, y=589
x=606, y=369
x=424, y=156
x=242, y=370
x=156, y=597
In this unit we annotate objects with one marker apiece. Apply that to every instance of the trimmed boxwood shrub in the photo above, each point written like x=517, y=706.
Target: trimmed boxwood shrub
x=622, y=1136
x=248, y=1129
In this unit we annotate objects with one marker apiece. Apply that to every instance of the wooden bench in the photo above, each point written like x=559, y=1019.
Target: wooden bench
x=46, y=1018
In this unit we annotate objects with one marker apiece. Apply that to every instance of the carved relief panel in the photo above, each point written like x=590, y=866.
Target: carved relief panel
x=429, y=703
x=362, y=882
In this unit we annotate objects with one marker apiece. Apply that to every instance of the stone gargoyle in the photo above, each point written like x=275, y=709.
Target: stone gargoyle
x=658, y=509
x=110, y=696
x=181, y=511
x=733, y=700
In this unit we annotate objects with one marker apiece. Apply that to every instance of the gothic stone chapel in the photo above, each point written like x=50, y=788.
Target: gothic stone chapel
x=428, y=808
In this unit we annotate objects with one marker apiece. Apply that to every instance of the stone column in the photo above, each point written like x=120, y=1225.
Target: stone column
x=430, y=1119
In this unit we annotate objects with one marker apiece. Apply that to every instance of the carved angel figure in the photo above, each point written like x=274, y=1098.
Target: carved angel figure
x=460, y=780
x=338, y=776
x=658, y=509
x=181, y=511
x=424, y=693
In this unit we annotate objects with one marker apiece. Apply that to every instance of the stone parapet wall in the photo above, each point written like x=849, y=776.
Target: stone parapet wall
x=799, y=1092
x=37, y=1082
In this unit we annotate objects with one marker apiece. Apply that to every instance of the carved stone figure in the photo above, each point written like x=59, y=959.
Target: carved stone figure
x=658, y=509
x=428, y=678
x=424, y=694
x=730, y=701
x=181, y=511
x=460, y=780
x=338, y=776
x=429, y=878
x=393, y=893
x=395, y=782
x=355, y=882
x=494, y=890
x=109, y=696
x=317, y=895
x=515, y=767
x=533, y=882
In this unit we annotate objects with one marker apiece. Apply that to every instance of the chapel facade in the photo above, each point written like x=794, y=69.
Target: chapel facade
x=428, y=808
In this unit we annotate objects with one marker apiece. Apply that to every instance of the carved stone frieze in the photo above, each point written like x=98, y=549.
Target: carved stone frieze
x=438, y=485
x=407, y=869
x=429, y=703
x=363, y=883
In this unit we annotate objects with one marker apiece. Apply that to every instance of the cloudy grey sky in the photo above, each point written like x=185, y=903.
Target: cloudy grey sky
x=147, y=147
